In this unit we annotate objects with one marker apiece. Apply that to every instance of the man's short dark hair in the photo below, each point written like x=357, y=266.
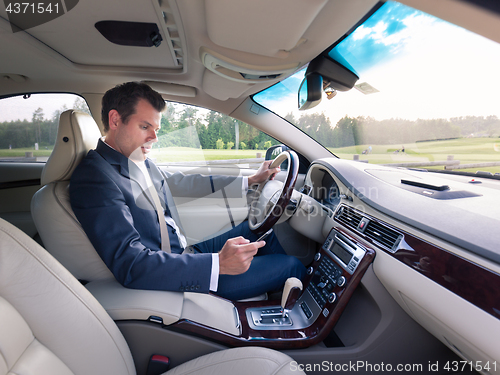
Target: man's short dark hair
x=123, y=98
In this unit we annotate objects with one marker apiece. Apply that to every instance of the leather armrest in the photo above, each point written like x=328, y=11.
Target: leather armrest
x=211, y=311
x=133, y=304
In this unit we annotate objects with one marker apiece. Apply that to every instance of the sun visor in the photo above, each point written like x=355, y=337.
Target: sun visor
x=268, y=28
x=168, y=88
x=221, y=88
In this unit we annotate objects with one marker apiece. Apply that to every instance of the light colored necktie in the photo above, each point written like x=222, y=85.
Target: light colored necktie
x=165, y=240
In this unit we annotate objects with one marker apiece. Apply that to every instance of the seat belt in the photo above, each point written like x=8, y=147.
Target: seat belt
x=158, y=364
x=165, y=239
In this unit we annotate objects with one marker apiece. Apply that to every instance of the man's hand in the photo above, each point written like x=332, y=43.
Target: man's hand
x=237, y=254
x=263, y=173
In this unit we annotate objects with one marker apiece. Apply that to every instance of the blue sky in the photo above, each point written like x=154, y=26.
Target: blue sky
x=367, y=45
x=422, y=67
x=360, y=51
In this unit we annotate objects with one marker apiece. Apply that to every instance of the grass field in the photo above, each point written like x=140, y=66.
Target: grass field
x=21, y=152
x=465, y=150
x=178, y=154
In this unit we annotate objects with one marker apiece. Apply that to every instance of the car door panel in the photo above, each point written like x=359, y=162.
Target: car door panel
x=18, y=183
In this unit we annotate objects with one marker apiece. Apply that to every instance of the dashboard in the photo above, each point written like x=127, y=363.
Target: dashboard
x=322, y=187
x=371, y=230
x=329, y=193
x=436, y=254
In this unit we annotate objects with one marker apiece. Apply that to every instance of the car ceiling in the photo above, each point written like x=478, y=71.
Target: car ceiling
x=266, y=36
x=206, y=44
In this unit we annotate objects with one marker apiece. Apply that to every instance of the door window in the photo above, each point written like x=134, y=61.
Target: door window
x=28, y=124
x=196, y=136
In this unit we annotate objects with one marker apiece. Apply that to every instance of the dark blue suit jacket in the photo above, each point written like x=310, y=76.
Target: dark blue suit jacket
x=109, y=196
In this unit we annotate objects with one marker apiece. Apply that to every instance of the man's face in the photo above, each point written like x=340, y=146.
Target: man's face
x=135, y=138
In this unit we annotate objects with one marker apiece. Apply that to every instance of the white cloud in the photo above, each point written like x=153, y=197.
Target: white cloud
x=440, y=72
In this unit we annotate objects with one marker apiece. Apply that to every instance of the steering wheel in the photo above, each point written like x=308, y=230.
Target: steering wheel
x=273, y=196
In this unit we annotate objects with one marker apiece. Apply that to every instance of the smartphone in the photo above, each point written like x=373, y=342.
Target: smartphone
x=265, y=235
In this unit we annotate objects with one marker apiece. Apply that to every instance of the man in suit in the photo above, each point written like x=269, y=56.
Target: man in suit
x=124, y=203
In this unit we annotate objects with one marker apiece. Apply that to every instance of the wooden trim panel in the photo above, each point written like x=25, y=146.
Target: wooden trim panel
x=461, y=276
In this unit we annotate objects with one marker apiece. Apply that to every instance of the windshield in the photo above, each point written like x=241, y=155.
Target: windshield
x=427, y=95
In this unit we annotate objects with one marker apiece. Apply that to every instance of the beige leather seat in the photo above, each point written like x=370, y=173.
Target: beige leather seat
x=60, y=231
x=64, y=238
x=50, y=324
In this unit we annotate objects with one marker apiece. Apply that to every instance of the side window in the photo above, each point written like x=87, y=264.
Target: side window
x=197, y=140
x=196, y=136
x=28, y=124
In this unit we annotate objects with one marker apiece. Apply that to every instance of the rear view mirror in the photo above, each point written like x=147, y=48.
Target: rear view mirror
x=324, y=73
x=310, y=91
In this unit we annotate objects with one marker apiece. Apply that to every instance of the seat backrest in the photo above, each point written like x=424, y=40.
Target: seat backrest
x=59, y=229
x=49, y=323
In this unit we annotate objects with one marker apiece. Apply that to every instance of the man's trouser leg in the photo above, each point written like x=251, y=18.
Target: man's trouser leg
x=268, y=271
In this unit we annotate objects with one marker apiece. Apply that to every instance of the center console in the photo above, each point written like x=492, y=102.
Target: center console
x=330, y=282
x=329, y=277
x=332, y=273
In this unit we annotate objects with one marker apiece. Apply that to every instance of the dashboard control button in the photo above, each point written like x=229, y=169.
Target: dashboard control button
x=310, y=270
x=317, y=257
x=307, y=311
x=332, y=297
x=341, y=281
x=323, y=282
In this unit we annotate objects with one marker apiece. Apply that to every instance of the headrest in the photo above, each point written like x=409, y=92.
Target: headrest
x=77, y=134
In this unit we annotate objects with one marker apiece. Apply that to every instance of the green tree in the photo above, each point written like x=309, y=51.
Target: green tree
x=343, y=133
x=37, y=120
x=167, y=119
x=81, y=105
x=188, y=117
x=248, y=134
x=219, y=144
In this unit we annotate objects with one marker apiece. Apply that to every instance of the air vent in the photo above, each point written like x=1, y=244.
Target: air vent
x=172, y=29
x=377, y=231
x=383, y=235
x=348, y=217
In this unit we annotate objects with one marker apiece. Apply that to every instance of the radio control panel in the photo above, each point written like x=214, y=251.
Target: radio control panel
x=331, y=273
x=347, y=253
x=324, y=281
x=332, y=278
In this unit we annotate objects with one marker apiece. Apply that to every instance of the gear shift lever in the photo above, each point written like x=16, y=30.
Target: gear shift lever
x=291, y=293
x=276, y=317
